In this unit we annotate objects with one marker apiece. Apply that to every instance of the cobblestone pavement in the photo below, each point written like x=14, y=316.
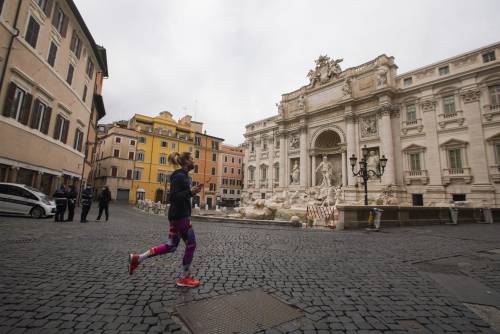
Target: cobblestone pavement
x=72, y=278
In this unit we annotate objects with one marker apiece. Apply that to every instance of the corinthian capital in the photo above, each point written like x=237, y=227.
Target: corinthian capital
x=385, y=110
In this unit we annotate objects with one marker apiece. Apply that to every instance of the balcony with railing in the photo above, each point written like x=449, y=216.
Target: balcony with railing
x=491, y=111
x=263, y=183
x=463, y=174
x=251, y=183
x=417, y=176
x=451, y=117
x=495, y=173
x=412, y=126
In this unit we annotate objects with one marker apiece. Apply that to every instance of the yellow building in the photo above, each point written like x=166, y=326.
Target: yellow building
x=157, y=137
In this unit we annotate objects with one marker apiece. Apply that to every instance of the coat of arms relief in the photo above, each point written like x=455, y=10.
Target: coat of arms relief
x=325, y=69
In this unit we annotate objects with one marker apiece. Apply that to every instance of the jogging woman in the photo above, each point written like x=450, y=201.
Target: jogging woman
x=178, y=214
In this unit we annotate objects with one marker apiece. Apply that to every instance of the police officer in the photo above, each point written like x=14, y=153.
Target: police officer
x=61, y=199
x=104, y=199
x=86, y=203
x=71, y=194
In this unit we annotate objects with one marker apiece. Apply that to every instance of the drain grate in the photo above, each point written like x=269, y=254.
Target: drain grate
x=244, y=312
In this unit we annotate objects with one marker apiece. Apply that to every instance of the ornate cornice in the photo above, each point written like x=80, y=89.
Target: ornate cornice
x=428, y=105
x=470, y=95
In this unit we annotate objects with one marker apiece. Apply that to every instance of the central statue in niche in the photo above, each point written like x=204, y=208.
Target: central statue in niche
x=326, y=170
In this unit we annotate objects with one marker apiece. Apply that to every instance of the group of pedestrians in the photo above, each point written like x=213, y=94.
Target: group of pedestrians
x=65, y=198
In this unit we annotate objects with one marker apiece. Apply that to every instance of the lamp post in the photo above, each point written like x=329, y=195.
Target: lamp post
x=364, y=172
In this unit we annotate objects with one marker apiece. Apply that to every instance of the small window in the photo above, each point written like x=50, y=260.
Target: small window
x=61, y=129
x=411, y=113
x=494, y=95
x=69, y=77
x=417, y=199
x=32, y=32
x=225, y=158
x=52, y=54
x=497, y=152
x=489, y=56
x=129, y=174
x=214, y=157
x=263, y=195
x=118, y=140
x=239, y=160
x=455, y=158
x=232, y=160
x=116, y=153
x=224, y=191
x=142, y=140
x=131, y=155
x=459, y=197
x=444, y=70
x=163, y=159
x=196, y=168
x=239, y=171
x=58, y=20
x=197, y=141
x=173, y=146
x=114, y=171
x=140, y=156
x=78, y=143
x=90, y=67
x=213, y=170
x=164, y=143
x=137, y=174
x=76, y=44
x=407, y=81
x=415, y=161
x=232, y=170
x=84, y=96
x=225, y=170
x=132, y=142
x=449, y=104
x=197, y=154
x=39, y=115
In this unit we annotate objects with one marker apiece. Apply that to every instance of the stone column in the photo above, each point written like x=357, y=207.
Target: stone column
x=257, y=166
x=351, y=144
x=387, y=148
x=313, y=170
x=303, y=157
x=344, y=168
x=38, y=180
x=282, y=171
x=7, y=174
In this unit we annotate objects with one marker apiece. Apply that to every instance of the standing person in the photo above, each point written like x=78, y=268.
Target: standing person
x=71, y=194
x=179, y=215
x=104, y=198
x=61, y=203
x=87, y=197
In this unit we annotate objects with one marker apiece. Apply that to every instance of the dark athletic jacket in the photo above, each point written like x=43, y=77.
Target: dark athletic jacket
x=180, y=194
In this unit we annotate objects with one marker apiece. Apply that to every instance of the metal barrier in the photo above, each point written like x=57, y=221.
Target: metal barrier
x=326, y=213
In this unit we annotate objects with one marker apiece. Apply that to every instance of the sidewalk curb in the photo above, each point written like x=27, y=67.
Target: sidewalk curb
x=243, y=221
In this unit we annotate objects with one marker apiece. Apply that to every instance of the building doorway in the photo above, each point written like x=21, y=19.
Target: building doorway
x=209, y=202
x=159, y=195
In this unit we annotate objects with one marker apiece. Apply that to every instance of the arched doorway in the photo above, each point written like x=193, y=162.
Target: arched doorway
x=326, y=159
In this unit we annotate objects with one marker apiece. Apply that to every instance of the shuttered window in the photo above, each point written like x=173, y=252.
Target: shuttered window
x=71, y=70
x=494, y=95
x=38, y=115
x=60, y=20
x=78, y=142
x=61, y=129
x=52, y=54
x=32, y=32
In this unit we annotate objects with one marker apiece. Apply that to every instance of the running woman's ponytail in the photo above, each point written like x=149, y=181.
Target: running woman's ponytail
x=179, y=159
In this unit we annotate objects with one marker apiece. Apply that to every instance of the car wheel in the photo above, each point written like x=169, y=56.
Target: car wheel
x=37, y=212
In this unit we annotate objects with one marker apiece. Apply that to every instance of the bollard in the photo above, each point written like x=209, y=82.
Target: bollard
x=378, y=215
x=453, y=216
x=486, y=215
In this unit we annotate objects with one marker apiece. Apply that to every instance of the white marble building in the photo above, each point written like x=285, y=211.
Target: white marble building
x=438, y=126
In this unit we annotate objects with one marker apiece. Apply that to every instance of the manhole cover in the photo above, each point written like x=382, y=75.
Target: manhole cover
x=244, y=312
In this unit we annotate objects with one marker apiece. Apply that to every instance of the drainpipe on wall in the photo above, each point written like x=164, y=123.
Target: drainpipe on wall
x=10, y=43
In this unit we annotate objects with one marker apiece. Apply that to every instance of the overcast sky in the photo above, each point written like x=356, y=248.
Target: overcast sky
x=228, y=62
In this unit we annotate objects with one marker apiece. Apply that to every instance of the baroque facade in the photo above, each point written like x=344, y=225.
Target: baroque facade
x=438, y=126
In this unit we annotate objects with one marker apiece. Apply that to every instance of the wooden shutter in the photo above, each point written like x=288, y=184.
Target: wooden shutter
x=64, y=25
x=80, y=143
x=46, y=120
x=65, y=130
x=48, y=7
x=11, y=91
x=57, y=129
x=75, y=140
x=25, y=109
x=54, y=18
x=72, y=44
x=35, y=114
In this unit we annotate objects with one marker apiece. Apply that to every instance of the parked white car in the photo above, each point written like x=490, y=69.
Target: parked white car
x=21, y=199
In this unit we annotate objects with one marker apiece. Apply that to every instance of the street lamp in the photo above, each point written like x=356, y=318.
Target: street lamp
x=364, y=172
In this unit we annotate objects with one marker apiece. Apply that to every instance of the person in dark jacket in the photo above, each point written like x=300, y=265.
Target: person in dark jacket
x=87, y=197
x=179, y=215
x=104, y=198
x=61, y=199
x=71, y=195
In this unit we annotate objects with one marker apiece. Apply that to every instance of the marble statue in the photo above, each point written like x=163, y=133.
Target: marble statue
x=295, y=174
x=324, y=70
x=301, y=103
x=339, y=195
x=381, y=76
x=369, y=127
x=294, y=142
x=326, y=170
x=373, y=161
x=346, y=88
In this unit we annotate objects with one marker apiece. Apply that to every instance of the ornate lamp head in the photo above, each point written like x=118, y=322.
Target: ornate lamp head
x=383, y=162
x=364, y=151
x=353, y=160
